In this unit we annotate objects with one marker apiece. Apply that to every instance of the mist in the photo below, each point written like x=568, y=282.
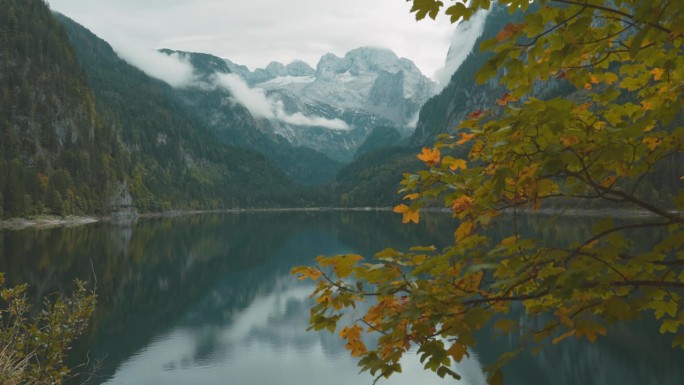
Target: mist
x=260, y=105
x=462, y=43
x=172, y=69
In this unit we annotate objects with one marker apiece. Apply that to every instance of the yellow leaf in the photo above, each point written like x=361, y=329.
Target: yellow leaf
x=458, y=163
x=305, y=272
x=457, y=351
x=430, y=156
x=461, y=204
x=610, y=77
x=465, y=138
x=509, y=241
x=657, y=73
x=408, y=215
x=412, y=196
x=463, y=230
x=587, y=86
x=594, y=79
x=353, y=336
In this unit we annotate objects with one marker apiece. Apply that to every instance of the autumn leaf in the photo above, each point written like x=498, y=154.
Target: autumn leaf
x=430, y=156
x=353, y=337
x=461, y=204
x=412, y=196
x=465, y=138
x=408, y=215
x=458, y=164
x=305, y=272
x=657, y=73
x=569, y=140
x=504, y=99
x=463, y=231
x=475, y=114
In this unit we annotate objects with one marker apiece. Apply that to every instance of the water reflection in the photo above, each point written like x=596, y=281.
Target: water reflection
x=208, y=300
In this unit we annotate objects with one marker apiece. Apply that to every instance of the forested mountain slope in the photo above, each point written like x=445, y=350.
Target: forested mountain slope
x=83, y=132
x=232, y=123
x=176, y=162
x=56, y=154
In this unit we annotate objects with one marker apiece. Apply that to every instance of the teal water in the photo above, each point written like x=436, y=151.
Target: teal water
x=208, y=300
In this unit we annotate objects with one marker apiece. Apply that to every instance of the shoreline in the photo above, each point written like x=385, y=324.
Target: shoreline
x=53, y=221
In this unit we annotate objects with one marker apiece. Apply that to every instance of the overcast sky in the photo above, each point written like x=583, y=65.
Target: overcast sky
x=256, y=32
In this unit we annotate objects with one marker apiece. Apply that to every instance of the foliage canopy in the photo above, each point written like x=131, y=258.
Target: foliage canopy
x=33, y=344
x=600, y=144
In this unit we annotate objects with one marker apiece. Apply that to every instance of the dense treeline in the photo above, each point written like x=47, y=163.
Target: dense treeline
x=56, y=156
x=176, y=162
x=83, y=132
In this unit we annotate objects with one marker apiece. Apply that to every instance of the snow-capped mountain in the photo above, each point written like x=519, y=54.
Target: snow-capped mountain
x=366, y=88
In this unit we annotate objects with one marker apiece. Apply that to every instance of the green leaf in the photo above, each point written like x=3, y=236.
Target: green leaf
x=456, y=11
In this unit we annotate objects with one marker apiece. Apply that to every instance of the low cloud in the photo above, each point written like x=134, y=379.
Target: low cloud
x=172, y=69
x=260, y=105
x=462, y=43
x=178, y=72
x=254, y=99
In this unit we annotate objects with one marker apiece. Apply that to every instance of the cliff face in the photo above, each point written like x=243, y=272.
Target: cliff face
x=56, y=155
x=463, y=95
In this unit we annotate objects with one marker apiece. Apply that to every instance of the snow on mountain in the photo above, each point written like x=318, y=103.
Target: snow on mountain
x=330, y=109
x=368, y=79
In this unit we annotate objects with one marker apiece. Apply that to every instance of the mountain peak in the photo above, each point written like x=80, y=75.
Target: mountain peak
x=363, y=60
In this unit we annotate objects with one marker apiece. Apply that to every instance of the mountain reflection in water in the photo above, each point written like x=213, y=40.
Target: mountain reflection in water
x=209, y=300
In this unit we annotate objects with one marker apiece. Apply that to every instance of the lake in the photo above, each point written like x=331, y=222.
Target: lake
x=208, y=300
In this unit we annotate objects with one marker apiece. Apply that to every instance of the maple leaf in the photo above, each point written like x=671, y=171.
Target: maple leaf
x=458, y=163
x=408, y=215
x=430, y=156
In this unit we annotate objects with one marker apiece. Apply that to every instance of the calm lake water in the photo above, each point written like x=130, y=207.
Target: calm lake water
x=208, y=300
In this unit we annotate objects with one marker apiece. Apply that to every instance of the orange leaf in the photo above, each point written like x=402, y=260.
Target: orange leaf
x=412, y=196
x=457, y=351
x=657, y=73
x=408, y=215
x=465, y=138
x=609, y=181
x=461, y=204
x=504, y=100
x=430, y=156
x=569, y=140
x=475, y=114
x=458, y=163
